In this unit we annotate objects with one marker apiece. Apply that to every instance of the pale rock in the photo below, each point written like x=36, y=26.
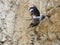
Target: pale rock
x=51, y=36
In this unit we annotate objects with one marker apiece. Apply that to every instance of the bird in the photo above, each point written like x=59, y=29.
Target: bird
x=35, y=15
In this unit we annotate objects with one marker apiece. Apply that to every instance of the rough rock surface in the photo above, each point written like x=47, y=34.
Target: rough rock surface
x=14, y=15
x=8, y=9
x=47, y=32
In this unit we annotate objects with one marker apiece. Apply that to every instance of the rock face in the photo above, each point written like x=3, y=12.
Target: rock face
x=14, y=15
x=47, y=32
x=8, y=9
